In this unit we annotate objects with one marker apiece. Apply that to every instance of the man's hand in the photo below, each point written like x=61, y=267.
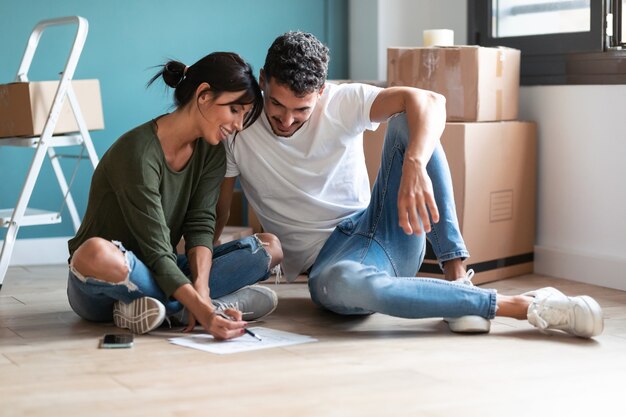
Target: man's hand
x=416, y=198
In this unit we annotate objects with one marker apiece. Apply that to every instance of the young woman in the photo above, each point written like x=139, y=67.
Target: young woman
x=158, y=183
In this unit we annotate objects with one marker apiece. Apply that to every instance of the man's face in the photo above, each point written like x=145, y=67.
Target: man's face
x=285, y=111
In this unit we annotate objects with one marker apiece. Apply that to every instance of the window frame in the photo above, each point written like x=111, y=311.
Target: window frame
x=563, y=58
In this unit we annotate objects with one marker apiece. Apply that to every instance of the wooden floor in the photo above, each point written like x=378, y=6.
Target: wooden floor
x=50, y=364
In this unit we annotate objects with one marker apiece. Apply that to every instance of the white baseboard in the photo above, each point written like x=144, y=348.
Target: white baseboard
x=590, y=269
x=44, y=251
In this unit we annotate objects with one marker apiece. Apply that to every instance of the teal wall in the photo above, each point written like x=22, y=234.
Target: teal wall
x=127, y=38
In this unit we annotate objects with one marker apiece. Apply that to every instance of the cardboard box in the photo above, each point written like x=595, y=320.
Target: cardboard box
x=24, y=107
x=373, y=148
x=237, y=209
x=253, y=220
x=493, y=167
x=231, y=233
x=480, y=84
x=241, y=214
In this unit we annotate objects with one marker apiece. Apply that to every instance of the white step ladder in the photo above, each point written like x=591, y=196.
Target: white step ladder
x=45, y=144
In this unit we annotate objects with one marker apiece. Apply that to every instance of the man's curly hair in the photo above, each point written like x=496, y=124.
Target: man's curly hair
x=298, y=60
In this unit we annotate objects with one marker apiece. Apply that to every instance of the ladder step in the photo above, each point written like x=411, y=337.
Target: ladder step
x=70, y=139
x=32, y=217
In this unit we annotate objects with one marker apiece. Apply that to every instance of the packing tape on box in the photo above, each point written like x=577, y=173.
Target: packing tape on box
x=500, y=58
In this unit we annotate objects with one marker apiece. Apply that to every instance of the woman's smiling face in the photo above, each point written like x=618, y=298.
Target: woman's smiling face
x=221, y=117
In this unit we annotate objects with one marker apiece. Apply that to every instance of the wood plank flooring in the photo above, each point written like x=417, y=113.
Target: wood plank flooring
x=50, y=364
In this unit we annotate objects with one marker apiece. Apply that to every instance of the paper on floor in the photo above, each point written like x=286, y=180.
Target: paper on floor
x=271, y=338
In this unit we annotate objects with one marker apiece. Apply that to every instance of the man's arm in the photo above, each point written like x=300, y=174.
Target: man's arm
x=426, y=116
x=223, y=206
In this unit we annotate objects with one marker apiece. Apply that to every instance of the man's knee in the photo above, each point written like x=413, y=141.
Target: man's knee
x=398, y=123
x=397, y=134
x=340, y=279
x=342, y=288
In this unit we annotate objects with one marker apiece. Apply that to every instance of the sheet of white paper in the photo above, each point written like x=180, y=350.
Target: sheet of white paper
x=271, y=338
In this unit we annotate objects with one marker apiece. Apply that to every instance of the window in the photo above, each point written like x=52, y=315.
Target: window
x=539, y=17
x=617, y=25
x=562, y=41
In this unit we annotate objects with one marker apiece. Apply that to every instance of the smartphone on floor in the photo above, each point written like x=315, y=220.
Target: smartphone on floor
x=116, y=341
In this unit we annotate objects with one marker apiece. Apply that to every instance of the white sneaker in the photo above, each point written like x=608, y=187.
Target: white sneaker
x=254, y=301
x=551, y=309
x=140, y=316
x=468, y=324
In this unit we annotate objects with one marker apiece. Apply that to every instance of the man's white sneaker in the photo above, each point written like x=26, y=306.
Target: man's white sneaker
x=553, y=310
x=254, y=301
x=468, y=324
x=140, y=316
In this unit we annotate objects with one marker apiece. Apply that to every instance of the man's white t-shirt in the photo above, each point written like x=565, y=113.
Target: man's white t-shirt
x=302, y=186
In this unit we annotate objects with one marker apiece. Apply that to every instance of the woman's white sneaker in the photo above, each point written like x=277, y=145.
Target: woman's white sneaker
x=552, y=310
x=139, y=316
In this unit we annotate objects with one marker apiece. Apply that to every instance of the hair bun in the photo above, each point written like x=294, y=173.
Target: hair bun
x=173, y=73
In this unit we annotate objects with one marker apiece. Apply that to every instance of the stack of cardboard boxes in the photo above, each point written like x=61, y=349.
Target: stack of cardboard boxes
x=492, y=156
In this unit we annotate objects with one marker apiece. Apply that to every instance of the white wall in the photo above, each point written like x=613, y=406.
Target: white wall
x=581, y=205
x=581, y=223
x=363, y=39
x=376, y=25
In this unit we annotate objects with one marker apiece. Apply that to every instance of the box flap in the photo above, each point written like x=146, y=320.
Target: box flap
x=15, y=96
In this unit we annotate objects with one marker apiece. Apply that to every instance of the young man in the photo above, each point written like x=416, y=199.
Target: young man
x=301, y=166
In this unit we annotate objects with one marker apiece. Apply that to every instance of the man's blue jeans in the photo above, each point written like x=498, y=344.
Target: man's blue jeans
x=368, y=264
x=235, y=264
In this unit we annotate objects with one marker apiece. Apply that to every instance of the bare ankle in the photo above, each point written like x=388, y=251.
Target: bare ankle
x=514, y=306
x=453, y=269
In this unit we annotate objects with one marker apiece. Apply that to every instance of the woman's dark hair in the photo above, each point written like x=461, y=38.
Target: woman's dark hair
x=299, y=61
x=223, y=71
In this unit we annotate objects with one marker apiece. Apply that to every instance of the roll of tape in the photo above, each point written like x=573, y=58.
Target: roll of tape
x=438, y=37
